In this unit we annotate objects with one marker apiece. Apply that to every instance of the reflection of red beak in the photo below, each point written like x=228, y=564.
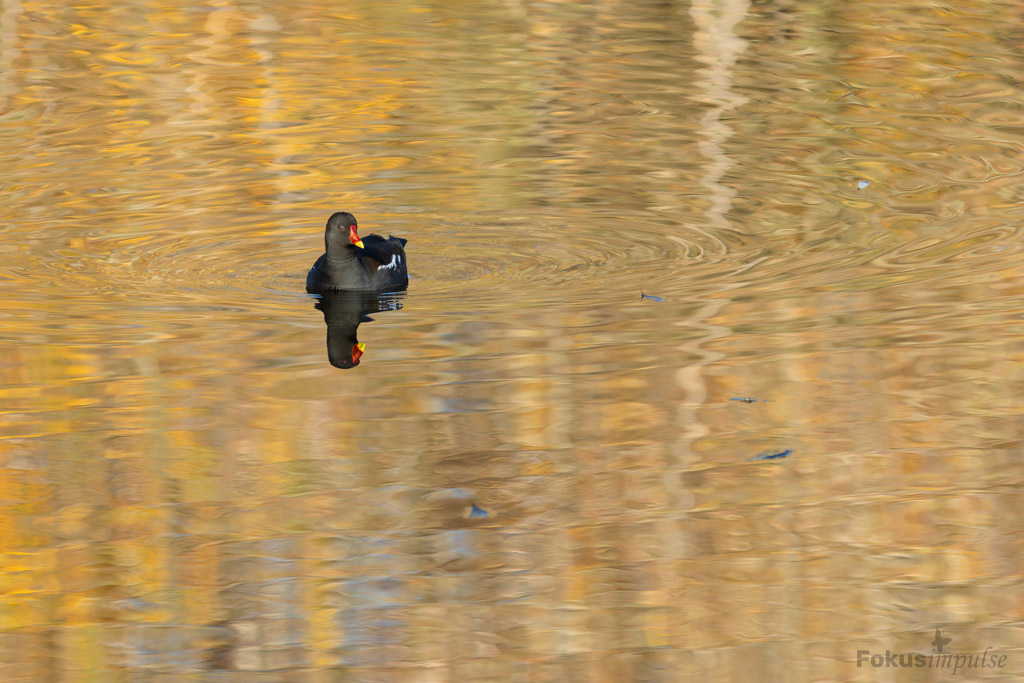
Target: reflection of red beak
x=357, y=352
x=354, y=237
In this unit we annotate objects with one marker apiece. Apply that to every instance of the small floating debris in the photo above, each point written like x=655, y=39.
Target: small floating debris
x=475, y=512
x=649, y=296
x=861, y=184
x=772, y=455
x=743, y=399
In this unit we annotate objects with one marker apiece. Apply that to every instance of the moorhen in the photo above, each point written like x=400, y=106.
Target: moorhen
x=370, y=264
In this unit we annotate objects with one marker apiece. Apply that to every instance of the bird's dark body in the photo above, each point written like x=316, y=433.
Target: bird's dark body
x=378, y=265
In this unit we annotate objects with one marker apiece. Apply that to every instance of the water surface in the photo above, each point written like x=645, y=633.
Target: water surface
x=532, y=473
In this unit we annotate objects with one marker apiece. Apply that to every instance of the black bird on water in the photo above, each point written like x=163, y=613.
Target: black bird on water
x=354, y=264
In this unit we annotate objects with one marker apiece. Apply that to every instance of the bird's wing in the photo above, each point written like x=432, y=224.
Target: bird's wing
x=388, y=253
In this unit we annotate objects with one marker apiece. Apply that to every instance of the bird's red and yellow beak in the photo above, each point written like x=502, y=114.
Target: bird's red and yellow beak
x=357, y=351
x=354, y=237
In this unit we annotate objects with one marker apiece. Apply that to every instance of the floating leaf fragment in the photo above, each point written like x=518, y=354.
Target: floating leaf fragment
x=772, y=455
x=649, y=296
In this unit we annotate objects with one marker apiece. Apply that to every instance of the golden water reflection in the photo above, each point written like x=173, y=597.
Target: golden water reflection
x=189, y=491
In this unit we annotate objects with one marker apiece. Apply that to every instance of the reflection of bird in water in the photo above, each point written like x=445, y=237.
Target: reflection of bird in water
x=343, y=312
